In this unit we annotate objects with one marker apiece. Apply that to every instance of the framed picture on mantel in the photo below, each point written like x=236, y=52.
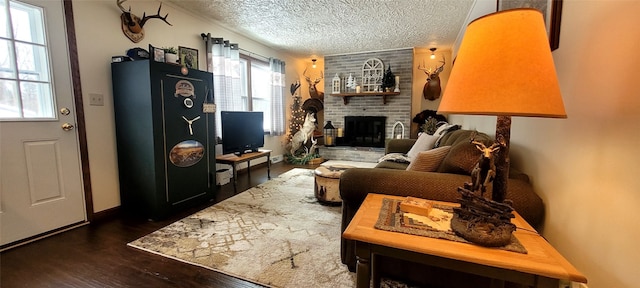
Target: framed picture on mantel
x=551, y=11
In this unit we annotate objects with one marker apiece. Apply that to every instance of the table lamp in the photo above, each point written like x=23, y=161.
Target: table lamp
x=504, y=67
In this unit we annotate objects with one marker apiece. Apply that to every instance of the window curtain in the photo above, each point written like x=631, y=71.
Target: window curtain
x=277, y=97
x=223, y=60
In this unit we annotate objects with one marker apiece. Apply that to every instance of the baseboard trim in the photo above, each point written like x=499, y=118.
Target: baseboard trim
x=41, y=236
x=106, y=214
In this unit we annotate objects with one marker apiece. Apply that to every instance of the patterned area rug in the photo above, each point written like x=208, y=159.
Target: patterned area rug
x=275, y=234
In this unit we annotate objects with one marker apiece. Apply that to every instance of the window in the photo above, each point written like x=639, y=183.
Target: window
x=255, y=77
x=26, y=91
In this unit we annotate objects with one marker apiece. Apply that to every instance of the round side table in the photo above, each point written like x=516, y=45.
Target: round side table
x=327, y=182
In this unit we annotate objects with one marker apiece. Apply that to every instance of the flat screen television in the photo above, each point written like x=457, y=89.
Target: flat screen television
x=242, y=131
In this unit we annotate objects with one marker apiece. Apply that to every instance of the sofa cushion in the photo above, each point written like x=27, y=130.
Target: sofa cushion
x=424, y=143
x=429, y=161
x=463, y=155
x=392, y=165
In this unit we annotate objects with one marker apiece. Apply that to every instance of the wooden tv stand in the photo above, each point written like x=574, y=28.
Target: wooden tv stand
x=234, y=160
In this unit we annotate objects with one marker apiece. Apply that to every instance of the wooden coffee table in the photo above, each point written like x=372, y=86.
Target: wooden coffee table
x=542, y=266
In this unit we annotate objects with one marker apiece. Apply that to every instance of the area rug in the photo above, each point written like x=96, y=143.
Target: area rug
x=275, y=234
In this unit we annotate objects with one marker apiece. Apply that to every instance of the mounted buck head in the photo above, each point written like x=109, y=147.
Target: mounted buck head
x=432, y=88
x=132, y=24
x=313, y=92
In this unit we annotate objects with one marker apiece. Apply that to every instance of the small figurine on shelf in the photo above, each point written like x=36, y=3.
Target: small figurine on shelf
x=351, y=82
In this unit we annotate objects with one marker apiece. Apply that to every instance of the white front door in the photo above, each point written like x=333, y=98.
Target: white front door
x=41, y=186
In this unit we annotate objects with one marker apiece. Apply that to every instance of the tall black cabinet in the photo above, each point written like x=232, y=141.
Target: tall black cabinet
x=165, y=140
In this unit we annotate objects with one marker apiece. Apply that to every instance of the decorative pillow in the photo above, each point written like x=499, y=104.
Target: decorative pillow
x=444, y=129
x=462, y=158
x=424, y=143
x=464, y=155
x=429, y=161
x=395, y=157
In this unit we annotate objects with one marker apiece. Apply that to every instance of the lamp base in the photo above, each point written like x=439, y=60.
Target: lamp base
x=482, y=221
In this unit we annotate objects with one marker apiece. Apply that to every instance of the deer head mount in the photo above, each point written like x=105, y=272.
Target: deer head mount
x=132, y=24
x=313, y=92
x=432, y=88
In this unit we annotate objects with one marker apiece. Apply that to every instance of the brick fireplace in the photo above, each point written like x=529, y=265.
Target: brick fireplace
x=396, y=109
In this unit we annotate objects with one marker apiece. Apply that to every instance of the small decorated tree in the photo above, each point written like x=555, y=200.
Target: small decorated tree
x=351, y=82
x=389, y=80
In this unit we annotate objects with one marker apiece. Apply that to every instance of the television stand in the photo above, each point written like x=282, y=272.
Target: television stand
x=234, y=160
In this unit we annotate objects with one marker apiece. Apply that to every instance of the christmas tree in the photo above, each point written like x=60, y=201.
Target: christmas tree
x=297, y=113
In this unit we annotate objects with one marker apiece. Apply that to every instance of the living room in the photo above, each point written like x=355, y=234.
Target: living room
x=572, y=162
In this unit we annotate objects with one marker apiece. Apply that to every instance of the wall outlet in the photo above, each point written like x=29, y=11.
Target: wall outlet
x=276, y=159
x=96, y=99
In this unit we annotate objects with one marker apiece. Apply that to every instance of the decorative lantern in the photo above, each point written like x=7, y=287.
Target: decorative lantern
x=329, y=134
x=335, y=84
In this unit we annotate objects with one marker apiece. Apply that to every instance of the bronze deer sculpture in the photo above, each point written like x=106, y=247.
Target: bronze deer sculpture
x=432, y=88
x=313, y=92
x=485, y=170
x=132, y=24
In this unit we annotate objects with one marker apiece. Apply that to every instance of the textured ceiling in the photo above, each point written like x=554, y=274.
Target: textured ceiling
x=326, y=27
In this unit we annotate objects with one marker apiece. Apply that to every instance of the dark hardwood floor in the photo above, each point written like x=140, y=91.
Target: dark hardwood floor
x=96, y=255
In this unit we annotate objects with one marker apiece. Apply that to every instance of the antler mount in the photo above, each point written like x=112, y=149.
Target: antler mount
x=132, y=24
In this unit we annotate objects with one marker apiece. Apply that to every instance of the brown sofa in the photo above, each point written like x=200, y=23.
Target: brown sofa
x=391, y=178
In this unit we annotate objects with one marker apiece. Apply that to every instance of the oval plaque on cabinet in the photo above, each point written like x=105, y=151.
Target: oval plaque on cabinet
x=186, y=153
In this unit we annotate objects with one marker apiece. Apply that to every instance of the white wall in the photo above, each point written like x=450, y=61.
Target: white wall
x=99, y=37
x=584, y=167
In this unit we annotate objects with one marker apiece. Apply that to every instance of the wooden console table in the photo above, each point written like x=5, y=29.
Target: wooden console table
x=234, y=160
x=541, y=267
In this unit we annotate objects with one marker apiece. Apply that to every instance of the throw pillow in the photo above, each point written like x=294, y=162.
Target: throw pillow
x=443, y=130
x=461, y=159
x=424, y=143
x=429, y=161
x=394, y=157
x=463, y=156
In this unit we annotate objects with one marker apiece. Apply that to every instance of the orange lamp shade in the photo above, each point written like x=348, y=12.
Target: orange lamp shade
x=504, y=67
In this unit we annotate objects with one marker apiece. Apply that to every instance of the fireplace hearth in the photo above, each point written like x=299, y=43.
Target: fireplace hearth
x=364, y=131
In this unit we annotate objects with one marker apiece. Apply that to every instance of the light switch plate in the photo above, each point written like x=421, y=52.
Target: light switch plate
x=96, y=99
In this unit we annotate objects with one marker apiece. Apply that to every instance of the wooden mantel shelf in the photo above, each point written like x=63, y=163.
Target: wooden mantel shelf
x=346, y=96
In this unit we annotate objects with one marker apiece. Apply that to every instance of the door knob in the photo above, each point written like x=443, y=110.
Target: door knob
x=67, y=127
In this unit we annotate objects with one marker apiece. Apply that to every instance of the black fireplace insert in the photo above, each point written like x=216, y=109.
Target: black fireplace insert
x=364, y=131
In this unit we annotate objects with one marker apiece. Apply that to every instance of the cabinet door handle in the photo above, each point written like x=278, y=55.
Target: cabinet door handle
x=190, y=122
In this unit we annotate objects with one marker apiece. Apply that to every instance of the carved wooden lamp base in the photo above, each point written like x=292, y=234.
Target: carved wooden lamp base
x=482, y=221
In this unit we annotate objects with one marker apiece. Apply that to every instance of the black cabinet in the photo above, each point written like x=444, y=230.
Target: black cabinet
x=165, y=140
